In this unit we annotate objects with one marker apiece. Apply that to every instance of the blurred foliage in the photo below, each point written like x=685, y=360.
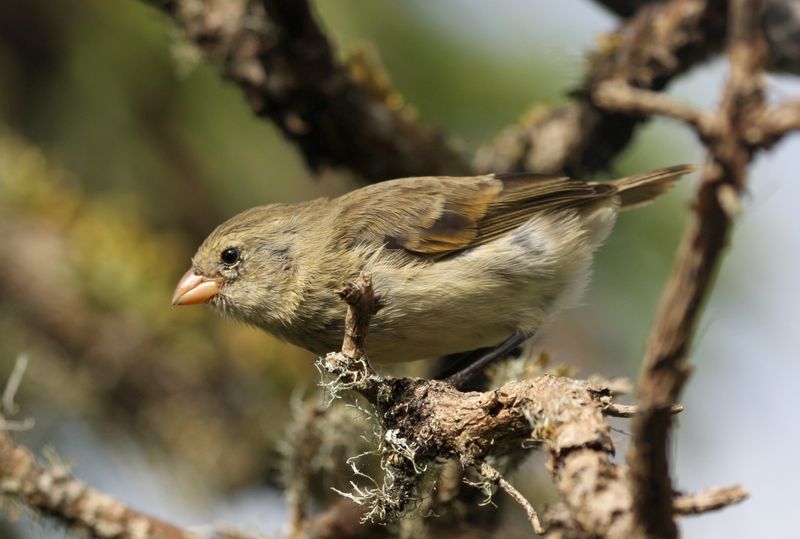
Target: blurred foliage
x=120, y=149
x=105, y=276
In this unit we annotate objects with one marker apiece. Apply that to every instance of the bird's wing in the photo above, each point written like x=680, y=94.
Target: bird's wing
x=435, y=217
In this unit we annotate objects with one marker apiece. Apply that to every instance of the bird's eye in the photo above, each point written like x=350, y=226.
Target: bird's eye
x=230, y=256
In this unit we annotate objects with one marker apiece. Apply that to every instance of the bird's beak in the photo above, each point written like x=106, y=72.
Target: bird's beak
x=194, y=288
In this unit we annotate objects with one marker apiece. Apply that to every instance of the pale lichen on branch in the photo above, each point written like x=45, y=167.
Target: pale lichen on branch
x=423, y=423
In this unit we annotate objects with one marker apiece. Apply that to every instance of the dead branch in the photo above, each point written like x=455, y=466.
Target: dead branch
x=423, y=422
x=277, y=53
x=661, y=41
x=665, y=367
x=493, y=475
x=54, y=492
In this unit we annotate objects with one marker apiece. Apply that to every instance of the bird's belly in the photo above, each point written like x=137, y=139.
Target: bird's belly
x=399, y=347
x=480, y=297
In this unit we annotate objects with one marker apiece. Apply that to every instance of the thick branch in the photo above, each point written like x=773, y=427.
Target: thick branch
x=277, y=53
x=425, y=421
x=665, y=368
x=280, y=57
x=54, y=492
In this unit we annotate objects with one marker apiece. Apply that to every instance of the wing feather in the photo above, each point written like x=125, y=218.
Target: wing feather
x=435, y=217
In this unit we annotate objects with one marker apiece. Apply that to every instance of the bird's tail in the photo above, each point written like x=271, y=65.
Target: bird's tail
x=640, y=189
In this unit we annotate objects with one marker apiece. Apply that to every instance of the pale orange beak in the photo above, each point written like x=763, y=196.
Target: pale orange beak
x=193, y=289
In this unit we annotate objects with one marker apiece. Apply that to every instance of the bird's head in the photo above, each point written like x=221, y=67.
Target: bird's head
x=245, y=268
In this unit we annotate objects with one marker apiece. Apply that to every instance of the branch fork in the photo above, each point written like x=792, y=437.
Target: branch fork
x=423, y=422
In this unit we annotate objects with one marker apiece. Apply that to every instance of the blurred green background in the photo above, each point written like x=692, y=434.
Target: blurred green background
x=121, y=148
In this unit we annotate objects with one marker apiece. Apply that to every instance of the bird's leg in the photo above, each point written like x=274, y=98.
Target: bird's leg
x=471, y=363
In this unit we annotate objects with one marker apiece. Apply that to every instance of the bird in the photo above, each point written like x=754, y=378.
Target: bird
x=458, y=263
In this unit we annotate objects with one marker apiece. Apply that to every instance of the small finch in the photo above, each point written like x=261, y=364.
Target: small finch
x=458, y=263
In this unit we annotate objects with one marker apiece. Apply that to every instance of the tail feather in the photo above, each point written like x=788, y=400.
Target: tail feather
x=640, y=189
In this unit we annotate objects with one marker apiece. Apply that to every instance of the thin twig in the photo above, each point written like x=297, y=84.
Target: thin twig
x=629, y=410
x=660, y=42
x=616, y=386
x=709, y=500
x=7, y=405
x=349, y=369
x=619, y=96
x=492, y=474
x=361, y=306
x=13, y=383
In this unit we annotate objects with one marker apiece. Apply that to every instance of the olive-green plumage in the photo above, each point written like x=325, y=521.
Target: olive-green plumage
x=459, y=263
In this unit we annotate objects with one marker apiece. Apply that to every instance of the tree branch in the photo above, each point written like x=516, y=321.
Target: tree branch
x=280, y=57
x=775, y=122
x=287, y=68
x=492, y=474
x=665, y=367
x=423, y=422
x=661, y=41
x=623, y=410
x=708, y=500
x=361, y=306
x=54, y=492
x=620, y=97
